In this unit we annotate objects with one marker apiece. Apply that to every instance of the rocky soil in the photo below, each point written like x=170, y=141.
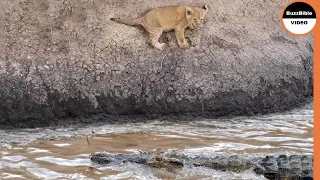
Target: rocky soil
x=66, y=59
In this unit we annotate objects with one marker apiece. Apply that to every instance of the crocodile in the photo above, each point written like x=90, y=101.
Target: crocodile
x=281, y=167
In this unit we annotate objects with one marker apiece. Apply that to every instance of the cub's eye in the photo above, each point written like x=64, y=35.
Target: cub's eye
x=201, y=19
x=194, y=19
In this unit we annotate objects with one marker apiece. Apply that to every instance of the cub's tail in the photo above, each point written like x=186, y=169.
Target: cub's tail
x=130, y=22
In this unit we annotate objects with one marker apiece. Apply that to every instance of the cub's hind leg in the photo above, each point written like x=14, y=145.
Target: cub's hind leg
x=154, y=36
x=182, y=41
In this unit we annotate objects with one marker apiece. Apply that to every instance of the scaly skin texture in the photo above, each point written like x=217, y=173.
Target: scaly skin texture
x=272, y=167
x=66, y=59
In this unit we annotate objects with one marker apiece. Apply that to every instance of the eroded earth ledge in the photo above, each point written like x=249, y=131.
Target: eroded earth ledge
x=61, y=59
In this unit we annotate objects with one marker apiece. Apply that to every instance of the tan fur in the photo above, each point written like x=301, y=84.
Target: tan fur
x=198, y=22
x=176, y=18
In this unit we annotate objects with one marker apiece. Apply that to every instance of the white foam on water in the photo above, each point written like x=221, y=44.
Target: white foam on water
x=65, y=162
x=62, y=144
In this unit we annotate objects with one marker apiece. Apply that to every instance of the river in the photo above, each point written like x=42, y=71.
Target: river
x=62, y=153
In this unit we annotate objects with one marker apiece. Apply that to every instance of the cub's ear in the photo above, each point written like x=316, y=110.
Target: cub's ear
x=205, y=7
x=189, y=11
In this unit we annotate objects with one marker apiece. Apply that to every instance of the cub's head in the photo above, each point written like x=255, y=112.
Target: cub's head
x=196, y=16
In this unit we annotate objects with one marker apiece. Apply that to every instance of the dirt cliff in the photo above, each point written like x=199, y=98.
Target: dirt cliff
x=66, y=58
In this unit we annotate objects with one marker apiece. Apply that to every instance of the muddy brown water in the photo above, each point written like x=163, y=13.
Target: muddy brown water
x=62, y=153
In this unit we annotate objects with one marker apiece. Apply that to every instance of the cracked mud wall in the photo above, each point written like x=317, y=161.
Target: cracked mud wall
x=2, y=33
x=65, y=58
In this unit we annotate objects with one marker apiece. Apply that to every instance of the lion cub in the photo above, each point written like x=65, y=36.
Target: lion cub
x=176, y=18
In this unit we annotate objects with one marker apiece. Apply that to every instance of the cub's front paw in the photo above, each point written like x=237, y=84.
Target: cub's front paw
x=185, y=45
x=161, y=46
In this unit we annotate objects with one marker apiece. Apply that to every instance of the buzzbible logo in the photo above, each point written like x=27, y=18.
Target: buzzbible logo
x=298, y=18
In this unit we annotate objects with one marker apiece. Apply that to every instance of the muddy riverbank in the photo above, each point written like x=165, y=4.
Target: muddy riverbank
x=66, y=59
